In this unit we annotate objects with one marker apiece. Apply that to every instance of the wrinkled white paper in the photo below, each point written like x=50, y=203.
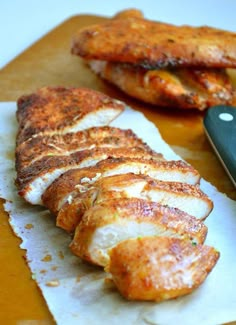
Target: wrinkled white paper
x=76, y=292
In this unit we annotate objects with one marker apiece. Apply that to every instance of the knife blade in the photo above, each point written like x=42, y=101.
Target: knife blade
x=220, y=127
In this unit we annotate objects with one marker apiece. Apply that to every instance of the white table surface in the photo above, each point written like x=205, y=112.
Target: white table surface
x=22, y=22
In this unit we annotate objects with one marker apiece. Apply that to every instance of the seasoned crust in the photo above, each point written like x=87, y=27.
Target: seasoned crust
x=159, y=63
x=40, y=146
x=62, y=109
x=47, y=164
x=187, y=198
x=65, y=185
x=159, y=268
x=33, y=180
x=130, y=218
x=153, y=45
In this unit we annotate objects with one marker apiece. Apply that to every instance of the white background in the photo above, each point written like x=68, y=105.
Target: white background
x=22, y=22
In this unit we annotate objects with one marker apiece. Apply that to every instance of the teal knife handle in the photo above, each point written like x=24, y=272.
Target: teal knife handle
x=220, y=127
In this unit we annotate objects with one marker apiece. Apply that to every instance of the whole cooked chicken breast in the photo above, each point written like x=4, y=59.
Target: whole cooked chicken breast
x=38, y=147
x=106, y=224
x=33, y=180
x=154, y=45
x=197, y=88
x=65, y=187
x=159, y=268
x=61, y=110
x=185, y=197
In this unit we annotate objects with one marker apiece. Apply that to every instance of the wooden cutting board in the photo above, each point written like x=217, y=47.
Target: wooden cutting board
x=49, y=62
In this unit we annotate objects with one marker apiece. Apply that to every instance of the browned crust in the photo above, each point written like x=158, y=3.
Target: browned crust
x=122, y=210
x=177, y=187
x=55, y=108
x=70, y=215
x=182, y=88
x=51, y=163
x=73, y=209
x=139, y=266
x=65, y=184
x=156, y=45
x=58, y=144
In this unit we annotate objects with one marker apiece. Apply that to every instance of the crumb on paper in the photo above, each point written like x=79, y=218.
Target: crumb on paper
x=29, y=226
x=53, y=283
x=61, y=255
x=43, y=271
x=47, y=258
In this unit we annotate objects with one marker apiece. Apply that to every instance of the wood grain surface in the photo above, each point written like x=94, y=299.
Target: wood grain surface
x=49, y=62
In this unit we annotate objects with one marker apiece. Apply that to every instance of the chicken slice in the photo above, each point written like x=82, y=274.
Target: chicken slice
x=53, y=110
x=38, y=147
x=105, y=225
x=185, y=197
x=65, y=187
x=154, y=45
x=182, y=88
x=33, y=180
x=159, y=268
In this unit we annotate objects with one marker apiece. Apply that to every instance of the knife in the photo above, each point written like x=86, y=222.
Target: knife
x=220, y=127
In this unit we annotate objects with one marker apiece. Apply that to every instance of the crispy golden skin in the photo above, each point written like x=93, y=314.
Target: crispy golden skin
x=106, y=224
x=64, y=187
x=153, y=45
x=188, y=198
x=159, y=268
x=60, y=110
x=41, y=146
x=181, y=88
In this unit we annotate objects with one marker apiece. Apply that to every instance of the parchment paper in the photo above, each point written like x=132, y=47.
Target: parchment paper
x=76, y=292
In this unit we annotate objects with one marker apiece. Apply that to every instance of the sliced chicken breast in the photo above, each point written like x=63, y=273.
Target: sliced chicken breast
x=53, y=110
x=105, y=225
x=188, y=198
x=64, y=144
x=65, y=187
x=33, y=180
x=159, y=268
